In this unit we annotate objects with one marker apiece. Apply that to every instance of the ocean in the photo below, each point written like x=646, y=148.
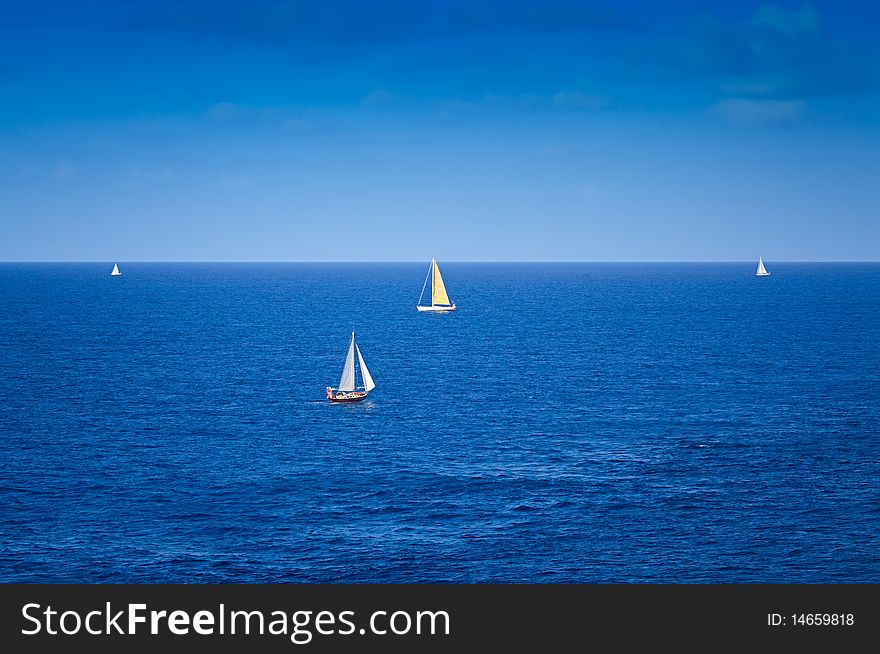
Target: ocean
x=598, y=423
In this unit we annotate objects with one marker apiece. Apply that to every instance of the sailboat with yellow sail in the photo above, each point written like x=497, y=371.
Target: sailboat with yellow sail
x=439, y=298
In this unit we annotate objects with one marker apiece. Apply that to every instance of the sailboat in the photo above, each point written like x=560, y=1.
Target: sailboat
x=115, y=272
x=439, y=298
x=347, y=391
x=762, y=271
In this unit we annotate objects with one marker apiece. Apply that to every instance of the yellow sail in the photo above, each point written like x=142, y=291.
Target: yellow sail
x=438, y=293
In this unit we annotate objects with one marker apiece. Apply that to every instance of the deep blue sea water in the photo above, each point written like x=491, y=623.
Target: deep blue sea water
x=571, y=422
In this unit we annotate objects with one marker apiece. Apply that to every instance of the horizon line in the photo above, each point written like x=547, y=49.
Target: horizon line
x=445, y=261
x=420, y=261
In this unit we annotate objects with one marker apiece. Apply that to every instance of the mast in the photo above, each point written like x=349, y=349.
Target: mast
x=433, y=273
x=425, y=285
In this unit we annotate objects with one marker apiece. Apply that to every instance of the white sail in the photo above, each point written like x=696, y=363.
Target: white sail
x=346, y=382
x=115, y=270
x=761, y=269
x=368, y=379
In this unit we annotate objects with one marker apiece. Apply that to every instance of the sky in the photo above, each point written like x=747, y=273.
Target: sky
x=485, y=130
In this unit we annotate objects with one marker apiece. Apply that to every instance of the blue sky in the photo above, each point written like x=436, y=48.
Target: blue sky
x=480, y=130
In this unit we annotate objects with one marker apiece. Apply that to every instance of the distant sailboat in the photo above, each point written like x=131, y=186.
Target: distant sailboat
x=115, y=272
x=348, y=391
x=439, y=298
x=762, y=271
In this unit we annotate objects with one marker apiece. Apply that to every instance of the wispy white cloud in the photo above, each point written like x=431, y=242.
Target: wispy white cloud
x=804, y=20
x=355, y=21
x=231, y=112
x=141, y=176
x=379, y=98
x=226, y=111
x=779, y=53
x=561, y=100
x=64, y=170
x=579, y=100
x=759, y=113
x=761, y=87
x=234, y=180
x=589, y=191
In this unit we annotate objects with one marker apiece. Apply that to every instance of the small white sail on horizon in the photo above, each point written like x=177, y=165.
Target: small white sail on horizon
x=762, y=271
x=115, y=272
x=348, y=390
x=439, y=297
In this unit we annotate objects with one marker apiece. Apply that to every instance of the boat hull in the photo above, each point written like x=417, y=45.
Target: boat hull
x=342, y=397
x=436, y=309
